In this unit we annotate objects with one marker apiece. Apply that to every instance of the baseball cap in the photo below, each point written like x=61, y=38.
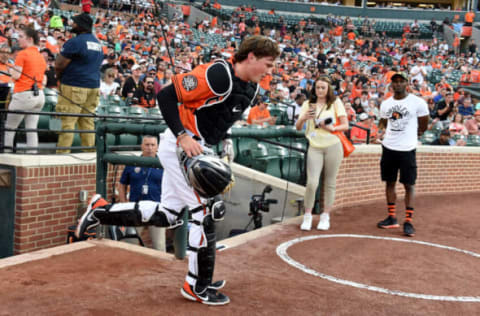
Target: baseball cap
x=84, y=21
x=135, y=67
x=400, y=74
x=363, y=116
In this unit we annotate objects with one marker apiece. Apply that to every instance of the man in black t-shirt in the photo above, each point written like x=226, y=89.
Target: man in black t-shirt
x=131, y=84
x=445, y=106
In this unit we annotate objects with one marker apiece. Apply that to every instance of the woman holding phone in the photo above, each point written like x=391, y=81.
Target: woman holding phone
x=325, y=152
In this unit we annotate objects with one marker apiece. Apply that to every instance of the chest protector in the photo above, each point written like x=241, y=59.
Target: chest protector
x=215, y=118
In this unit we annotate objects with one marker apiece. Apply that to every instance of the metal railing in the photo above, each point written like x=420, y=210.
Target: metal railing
x=97, y=117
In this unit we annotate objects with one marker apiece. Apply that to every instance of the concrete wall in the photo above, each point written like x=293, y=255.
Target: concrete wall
x=47, y=188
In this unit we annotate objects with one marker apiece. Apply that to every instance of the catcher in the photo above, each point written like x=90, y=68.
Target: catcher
x=199, y=108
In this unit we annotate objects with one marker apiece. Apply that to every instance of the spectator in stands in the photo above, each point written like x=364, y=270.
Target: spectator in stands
x=111, y=63
x=351, y=115
x=108, y=86
x=144, y=96
x=4, y=79
x=466, y=108
x=144, y=184
x=152, y=72
x=457, y=127
x=28, y=74
x=418, y=72
x=357, y=105
x=50, y=72
x=473, y=124
x=325, y=151
x=132, y=82
x=86, y=6
x=293, y=111
x=78, y=69
x=167, y=77
x=358, y=135
x=444, y=139
x=260, y=115
x=446, y=106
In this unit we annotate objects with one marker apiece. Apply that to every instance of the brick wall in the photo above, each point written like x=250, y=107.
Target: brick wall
x=47, y=200
x=440, y=170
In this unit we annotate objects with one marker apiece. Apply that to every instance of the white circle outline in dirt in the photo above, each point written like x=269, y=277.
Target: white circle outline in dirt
x=282, y=253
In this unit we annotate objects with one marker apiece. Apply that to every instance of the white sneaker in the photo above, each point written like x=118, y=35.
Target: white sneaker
x=307, y=222
x=324, y=223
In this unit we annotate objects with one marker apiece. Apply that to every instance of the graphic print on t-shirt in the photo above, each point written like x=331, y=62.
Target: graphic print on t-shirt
x=398, y=117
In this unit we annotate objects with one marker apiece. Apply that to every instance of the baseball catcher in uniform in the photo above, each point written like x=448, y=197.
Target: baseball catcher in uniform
x=199, y=107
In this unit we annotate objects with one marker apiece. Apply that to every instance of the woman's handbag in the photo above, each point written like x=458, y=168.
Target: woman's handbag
x=347, y=145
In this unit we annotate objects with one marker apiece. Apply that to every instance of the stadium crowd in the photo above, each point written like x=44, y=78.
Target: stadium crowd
x=360, y=62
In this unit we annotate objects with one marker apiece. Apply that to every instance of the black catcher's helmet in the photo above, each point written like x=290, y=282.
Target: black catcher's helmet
x=207, y=174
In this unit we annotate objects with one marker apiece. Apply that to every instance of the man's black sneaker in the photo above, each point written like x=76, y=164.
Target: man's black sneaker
x=408, y=229
x=208, y=296
x=389, y=222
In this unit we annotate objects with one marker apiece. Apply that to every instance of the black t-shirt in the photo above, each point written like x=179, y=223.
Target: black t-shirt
x=442, y=105
x=129, y=86
x=51, y=78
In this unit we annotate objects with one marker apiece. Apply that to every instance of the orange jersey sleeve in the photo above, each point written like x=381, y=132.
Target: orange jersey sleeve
x=193, y=91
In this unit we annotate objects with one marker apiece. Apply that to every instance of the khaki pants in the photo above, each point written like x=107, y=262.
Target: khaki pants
x=87, y=98
x=328, y=159
x=24, y=101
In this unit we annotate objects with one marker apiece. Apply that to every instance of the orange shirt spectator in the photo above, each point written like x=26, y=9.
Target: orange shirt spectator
x=338, y=31
x=3, y=78
x=33, y=65
x=358, y=135
x=259, y=114
x=351, y=36
x=265, y=82
x=469, y=17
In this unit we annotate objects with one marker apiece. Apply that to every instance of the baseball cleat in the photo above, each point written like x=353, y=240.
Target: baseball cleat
x=88, y=219
x=208, y=297
x=389, y=222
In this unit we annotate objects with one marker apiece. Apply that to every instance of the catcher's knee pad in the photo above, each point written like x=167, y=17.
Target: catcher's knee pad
x=217, y=208
x=205, y=256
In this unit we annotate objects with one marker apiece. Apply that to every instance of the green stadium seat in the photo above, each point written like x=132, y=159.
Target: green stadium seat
x=473, y=140
x=129, y=139
x=270, y=165
x=136, y=111
x=428, y=137
x=242, y=150
x=292, y=167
